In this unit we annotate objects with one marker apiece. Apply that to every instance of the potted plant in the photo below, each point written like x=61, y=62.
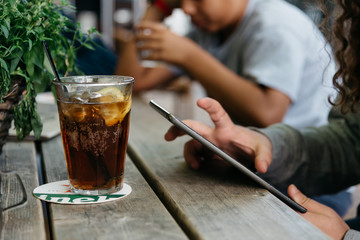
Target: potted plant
x=25, y=70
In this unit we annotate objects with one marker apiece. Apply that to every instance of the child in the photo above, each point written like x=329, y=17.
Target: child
x=263, y=60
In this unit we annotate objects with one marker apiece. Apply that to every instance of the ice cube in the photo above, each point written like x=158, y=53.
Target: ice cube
x=85, y=97
x=80, y=98
x=79, y=112
x=75, y=112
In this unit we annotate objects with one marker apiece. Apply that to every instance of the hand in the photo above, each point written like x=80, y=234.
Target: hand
x=159, y=43
x=234, y=140
x=323, y=217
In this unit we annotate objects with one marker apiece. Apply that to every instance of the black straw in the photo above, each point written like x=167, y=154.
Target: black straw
x=51, y=60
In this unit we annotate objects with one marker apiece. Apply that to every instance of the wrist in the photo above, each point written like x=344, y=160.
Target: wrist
x=189, y=50
x=123, y=35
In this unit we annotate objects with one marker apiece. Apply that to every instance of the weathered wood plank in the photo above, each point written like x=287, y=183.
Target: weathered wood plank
x=138, y=216
x=216, y=202
x=22, y=215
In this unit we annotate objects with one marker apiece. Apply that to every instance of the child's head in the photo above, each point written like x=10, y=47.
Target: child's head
x=214, y=15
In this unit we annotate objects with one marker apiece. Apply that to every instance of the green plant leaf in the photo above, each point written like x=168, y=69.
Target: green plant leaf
x=11, y=2
x=7, y=23
x=30, y=44
x=36, y=123
x=48, y=66
x=4, y=64
x=5, y=31
x=24, y=24
x=37, y=56
x=14, y=63
x=89, y=46
x=29, y=64
x=10, y=50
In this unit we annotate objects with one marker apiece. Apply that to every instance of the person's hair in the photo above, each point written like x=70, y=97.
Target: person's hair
x=342, y=28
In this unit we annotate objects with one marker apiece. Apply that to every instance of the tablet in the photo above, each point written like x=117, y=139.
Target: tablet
x=181, y=125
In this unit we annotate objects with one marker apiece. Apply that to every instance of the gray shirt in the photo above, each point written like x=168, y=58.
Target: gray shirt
x=352, y=235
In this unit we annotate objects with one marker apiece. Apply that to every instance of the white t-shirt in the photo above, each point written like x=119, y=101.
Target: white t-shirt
x=278, y=46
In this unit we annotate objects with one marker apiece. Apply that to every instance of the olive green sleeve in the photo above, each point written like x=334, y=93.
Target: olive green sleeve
x=318, y=160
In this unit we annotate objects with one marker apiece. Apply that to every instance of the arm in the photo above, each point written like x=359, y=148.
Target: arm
x=317, y=160
x=145, y=78
x=286, y=143
x=247, y=102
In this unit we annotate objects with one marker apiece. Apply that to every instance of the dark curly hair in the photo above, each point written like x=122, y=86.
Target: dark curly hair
x=343, y=17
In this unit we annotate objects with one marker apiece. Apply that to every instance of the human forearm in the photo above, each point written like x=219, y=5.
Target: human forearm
x=246, y=102
x=128, y=63
x=145, y=78
x=317, y=160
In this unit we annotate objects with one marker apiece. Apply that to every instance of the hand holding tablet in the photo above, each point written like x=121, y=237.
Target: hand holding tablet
x=181, y=125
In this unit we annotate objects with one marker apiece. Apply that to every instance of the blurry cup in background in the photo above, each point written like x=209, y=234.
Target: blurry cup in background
x=143, y=54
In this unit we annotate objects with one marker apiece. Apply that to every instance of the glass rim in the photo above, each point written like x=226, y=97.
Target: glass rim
x=70, y=80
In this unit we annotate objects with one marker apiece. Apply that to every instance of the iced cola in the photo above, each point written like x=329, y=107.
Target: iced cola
x=95, y=128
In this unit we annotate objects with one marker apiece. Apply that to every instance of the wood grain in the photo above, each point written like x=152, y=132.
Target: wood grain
x=22, y=214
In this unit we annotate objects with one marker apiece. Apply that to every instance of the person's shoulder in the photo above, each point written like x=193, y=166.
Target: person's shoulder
x=280, y=18
x=279, y=13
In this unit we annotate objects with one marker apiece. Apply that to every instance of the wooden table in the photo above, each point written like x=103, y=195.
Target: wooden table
x=168, y=200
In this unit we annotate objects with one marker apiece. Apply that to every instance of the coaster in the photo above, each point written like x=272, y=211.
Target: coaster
x=60, y=192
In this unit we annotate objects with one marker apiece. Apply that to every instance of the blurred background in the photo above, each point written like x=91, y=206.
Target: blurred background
x=107, y=15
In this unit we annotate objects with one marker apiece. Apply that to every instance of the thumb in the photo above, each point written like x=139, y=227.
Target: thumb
x=298, y=196
x=308, y=203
